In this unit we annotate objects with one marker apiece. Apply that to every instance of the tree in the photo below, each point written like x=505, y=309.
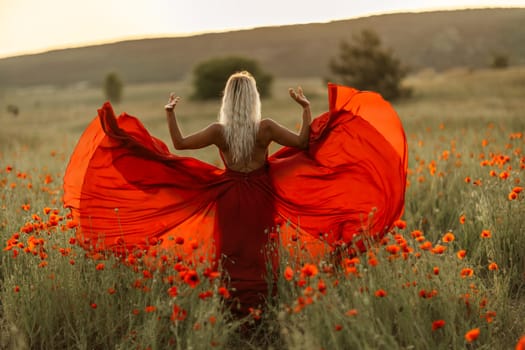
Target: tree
x=500, y=61
x=211, y=76
x=113, y=87
x=13, y=109
x=366, y=65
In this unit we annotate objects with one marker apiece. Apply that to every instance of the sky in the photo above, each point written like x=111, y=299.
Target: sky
x=32, y=26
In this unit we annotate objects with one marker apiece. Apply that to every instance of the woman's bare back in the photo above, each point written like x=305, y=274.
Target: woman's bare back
x=259, y=152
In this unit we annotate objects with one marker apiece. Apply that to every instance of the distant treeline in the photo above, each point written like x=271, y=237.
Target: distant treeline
x=438, y=40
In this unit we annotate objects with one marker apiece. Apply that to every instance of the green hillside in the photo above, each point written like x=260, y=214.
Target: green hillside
x=438, y=40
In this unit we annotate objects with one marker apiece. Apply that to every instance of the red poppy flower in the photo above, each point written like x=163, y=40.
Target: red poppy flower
x=467, y=272
x=438, y=324
x=321, y=286
x=172, y=291
x=416, y=233
x=48, y=179
x=448, y=237
x=191, y=278
x=223, y=291
x=472, y=335
x=489, y=316
x=288, y=273
x=255, y=313
x=426, y=245
x=521, y=344
x=400, y=224
x=380, y=293
x=393, y=249
x=486, y=234
x=205, y=295
x=178, y=314
x=351, y=312
x=150, y=308
x=309, y=270
x=438, y=249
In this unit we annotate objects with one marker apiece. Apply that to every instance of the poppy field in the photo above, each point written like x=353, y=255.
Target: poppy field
x=450, y=274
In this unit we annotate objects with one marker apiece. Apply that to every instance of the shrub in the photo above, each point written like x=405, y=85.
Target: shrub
x=500, y=61
x=211, y=75
x=113, y=87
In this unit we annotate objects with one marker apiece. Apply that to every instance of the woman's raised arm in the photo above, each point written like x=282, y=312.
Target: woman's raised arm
x=284, y=136
x=211, y=135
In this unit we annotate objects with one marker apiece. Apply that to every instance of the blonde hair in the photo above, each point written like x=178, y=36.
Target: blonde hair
x=240, y=115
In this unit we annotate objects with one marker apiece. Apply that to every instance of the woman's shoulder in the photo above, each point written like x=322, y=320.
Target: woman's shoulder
x=217, y=133
x=266, y=126
x=267, y=123
x=216, y=126
x=266, y=131
x=216, y=129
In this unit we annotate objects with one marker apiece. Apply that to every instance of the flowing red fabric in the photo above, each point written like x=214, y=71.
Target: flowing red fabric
x=128, y=191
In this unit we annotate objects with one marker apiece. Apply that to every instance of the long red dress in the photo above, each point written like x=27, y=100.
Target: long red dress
x=128, y=191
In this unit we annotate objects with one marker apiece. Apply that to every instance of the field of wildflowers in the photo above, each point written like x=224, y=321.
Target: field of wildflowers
x=450, y=274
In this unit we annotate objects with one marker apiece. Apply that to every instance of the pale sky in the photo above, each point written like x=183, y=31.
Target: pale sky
x=31, y=26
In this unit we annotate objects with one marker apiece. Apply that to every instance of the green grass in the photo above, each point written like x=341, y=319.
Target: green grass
x=456, y=121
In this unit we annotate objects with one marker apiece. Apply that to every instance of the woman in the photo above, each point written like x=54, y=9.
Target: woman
x=245, y=212
x=340, y=179
x=241, y=136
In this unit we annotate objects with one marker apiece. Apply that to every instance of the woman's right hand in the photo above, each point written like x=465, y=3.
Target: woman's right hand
x=299, y=97
x=172, y=102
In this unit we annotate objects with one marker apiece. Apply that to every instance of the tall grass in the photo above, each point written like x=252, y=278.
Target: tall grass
x=453, y=267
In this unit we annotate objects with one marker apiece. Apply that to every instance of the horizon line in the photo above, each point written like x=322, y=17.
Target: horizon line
x=116, y=40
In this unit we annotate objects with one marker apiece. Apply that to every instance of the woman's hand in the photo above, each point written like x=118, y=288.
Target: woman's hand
x=299, y=97
x=172, y=102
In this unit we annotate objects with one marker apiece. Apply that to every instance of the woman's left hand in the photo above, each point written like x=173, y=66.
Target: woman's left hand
x=172, y=102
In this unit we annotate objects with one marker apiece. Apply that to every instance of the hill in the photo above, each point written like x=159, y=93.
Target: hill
x=438, y=40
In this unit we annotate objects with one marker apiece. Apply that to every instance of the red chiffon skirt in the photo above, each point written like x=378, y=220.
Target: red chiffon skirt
x=128, y=191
